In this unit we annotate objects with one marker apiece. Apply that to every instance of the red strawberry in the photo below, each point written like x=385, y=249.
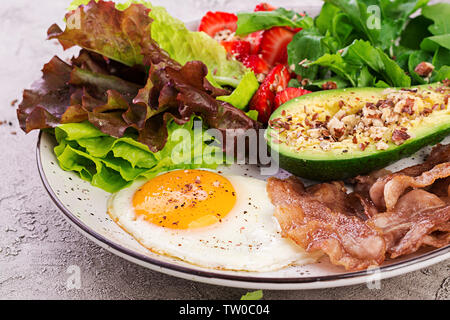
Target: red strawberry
x=257, y=64
x=255, y=41
x=262, y=102
x=295, y=30
x=278, y=78
x=264, y=99
x=274, y=45
x=238, y=48
x=214, y=22
x=289, y=94
x=264, y=7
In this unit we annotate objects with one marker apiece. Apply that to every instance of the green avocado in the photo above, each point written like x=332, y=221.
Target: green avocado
x=291, y=127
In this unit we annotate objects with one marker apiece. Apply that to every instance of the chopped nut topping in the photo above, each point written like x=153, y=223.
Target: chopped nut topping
x=330, y=85
x=400, y=136
x=424, y=69
x=370, y=123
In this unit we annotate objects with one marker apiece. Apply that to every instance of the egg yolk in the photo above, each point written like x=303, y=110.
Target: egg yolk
x=185, y=199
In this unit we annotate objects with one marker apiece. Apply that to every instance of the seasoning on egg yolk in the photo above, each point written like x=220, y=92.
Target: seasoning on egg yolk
x=185, y=199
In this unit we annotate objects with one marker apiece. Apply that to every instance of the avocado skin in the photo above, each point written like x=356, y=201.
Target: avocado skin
x=333, y=170
x=343, y=169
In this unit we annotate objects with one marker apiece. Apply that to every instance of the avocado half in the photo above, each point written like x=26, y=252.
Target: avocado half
x=332, y=165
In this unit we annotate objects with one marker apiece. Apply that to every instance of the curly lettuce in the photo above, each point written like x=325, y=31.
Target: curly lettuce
x=113, y=164
x=184, y=45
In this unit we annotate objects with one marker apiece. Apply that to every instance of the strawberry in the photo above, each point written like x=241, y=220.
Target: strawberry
x=278, y=78
x=295, y=30
x=264, y=99
x=262, y=102
x=264, y=7
x=255, y=41
x=238, y=48
x=257, y=64
x=274, y=45
x=214, y=22
x=289, y=94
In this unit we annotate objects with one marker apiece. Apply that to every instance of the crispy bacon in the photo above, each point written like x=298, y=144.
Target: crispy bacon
x=415, y=217
x=398, y=184
x=315, y=219
x=388, y=214
x=374, y=184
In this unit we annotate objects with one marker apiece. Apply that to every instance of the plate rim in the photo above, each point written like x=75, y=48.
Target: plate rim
x=212, y=276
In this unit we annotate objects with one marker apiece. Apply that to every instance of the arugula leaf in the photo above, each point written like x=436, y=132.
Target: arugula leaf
x=442, y=74
x=360, y=54
x=415, y=32
x=379, y=21
x=255, y=295
x=338, y=65
x=440, y=14
x=414, y=60
x=432, y=43
x=263, y=20
x=333, y=22
x=317, y=84
x=310, y=45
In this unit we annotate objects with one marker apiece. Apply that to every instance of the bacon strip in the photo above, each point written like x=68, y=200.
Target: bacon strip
x=374, y=184
x=398, y=184
x=389, y=214
x=315, y=220
x=416, y=215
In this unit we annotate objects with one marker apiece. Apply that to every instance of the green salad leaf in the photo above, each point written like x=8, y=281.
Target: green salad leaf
x=381, y=22
x=184, y=45
x=355, y=62
x=255, y=295
x=310, y=45
x=263, y=20
x=113, y=164
x=241, y=96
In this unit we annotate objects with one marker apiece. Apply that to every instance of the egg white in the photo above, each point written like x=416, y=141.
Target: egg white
x=247, y=239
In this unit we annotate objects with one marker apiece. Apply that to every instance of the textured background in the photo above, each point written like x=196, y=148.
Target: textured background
x=37, y=245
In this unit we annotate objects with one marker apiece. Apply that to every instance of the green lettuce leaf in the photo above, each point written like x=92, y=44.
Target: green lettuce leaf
x=255, y=295
x=184, y=45
x=240, y=98
x=113, y=164
x=263, y=20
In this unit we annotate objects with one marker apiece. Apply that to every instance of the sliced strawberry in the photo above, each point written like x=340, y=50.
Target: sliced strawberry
x=262, y=102
x=256, y=63
x=274, y=45
x=255, y=41
x=295, y=30
x=238, y=48
x=289, y=94
x=264, y=7
x=278, y=78
x=264, y=99
x=214, y=22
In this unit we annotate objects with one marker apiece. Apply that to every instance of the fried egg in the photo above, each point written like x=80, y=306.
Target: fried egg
x=210, y=220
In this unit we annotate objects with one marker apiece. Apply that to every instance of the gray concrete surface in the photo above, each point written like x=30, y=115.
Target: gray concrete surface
x=37, y=245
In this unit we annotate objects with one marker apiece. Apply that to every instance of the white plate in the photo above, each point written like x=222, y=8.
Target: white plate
x=85, y=207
